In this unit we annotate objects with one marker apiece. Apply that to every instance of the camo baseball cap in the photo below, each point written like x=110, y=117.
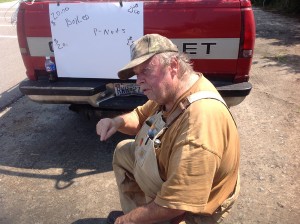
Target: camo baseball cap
x=143, y=49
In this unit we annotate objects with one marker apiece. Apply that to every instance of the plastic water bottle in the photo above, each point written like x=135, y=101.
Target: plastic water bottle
x=51, y=69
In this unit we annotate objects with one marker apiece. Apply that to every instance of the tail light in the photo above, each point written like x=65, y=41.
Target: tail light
x=247, y=39
x=245, y=3
x=247, y=32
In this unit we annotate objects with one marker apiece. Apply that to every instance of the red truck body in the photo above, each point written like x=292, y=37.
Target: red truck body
x=198, y=27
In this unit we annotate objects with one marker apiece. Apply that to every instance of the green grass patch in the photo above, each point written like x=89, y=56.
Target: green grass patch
x=1, y=1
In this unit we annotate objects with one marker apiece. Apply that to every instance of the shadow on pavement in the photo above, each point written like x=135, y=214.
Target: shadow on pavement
x=38, y=137
x=287, y=60
x=90, y=221
x=269, y=25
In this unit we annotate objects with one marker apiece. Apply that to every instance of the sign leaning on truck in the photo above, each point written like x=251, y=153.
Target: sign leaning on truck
x=92, y=40
x=89, y=42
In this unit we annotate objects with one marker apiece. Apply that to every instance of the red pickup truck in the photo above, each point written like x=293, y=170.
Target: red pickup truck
x=218, y=35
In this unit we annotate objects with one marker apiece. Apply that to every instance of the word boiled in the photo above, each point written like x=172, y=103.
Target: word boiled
x=77, y=20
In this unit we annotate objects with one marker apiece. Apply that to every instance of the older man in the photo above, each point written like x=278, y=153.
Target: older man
x=183, y=164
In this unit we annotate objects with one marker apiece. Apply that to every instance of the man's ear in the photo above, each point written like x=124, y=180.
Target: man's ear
x=174, y=66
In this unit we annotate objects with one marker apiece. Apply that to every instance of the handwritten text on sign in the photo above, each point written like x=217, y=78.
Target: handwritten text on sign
x=91, y=40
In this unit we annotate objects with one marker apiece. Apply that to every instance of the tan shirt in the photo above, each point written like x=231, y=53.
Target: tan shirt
x=199, y=156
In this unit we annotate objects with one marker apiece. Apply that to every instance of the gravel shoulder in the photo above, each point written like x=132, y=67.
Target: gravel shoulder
x=269, y=123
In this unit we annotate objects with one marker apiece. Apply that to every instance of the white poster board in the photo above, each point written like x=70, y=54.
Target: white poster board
x=92, y=40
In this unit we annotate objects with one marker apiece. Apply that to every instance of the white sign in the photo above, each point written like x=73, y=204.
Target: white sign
x=92, y=40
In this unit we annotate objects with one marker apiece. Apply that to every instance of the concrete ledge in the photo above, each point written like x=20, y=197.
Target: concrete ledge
x=10, y=96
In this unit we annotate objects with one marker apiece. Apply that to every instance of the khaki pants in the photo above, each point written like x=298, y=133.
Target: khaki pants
x=131, y=196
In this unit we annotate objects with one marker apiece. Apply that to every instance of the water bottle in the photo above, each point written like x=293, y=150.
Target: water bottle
x=51, y=69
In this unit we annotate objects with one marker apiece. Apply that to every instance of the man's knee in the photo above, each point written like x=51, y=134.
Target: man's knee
x=124, y=154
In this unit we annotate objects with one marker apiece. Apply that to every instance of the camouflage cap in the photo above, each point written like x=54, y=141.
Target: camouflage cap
x=145, y=48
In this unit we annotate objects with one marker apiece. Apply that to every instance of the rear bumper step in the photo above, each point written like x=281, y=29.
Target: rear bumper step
x=101, y=94
x=64, y=87
x=233, y=89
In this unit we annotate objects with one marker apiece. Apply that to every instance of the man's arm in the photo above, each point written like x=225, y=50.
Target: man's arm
x=149, y=213
x=127, y=124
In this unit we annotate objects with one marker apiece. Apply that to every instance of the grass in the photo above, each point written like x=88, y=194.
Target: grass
x=1, y=1
x=281, y=58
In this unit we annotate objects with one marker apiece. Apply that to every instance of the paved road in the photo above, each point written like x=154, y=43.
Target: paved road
x=12, y=70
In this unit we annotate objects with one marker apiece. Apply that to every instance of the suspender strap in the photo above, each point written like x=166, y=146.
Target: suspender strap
x=189, y=100
x=204, y=95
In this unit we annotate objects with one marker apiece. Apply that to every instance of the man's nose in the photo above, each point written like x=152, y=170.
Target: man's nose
x=139, y=80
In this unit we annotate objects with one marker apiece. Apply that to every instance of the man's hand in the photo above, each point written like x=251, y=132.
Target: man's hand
x=126, y=123
x=151, y=213
x=107, y=127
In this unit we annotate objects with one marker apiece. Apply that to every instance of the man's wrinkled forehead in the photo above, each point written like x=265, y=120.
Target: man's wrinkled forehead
x=151, y=61
x=139, y=68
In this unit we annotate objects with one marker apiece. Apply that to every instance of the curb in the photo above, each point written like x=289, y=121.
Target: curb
x=10, y=96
